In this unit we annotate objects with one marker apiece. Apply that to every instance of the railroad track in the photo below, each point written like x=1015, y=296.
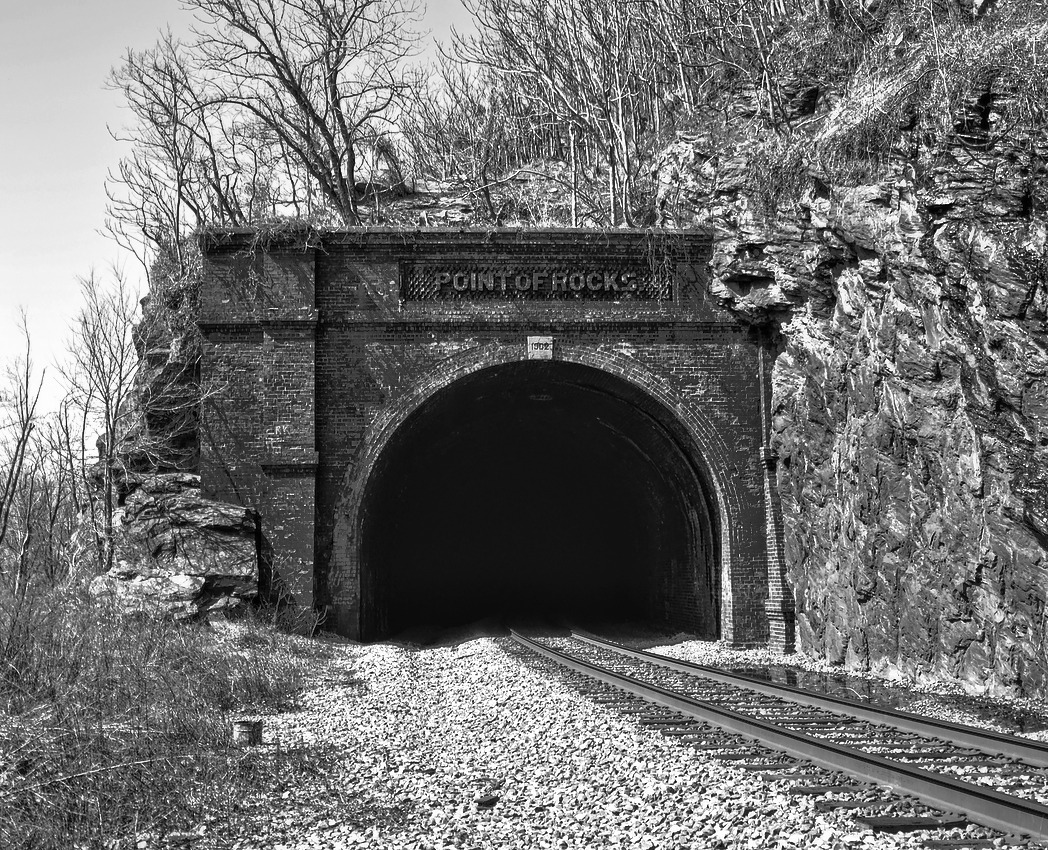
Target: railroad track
x=963, y=773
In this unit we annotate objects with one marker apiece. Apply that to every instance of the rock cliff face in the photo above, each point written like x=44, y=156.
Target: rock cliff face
x=168, y=382
x=910, y=410
x=178, y=554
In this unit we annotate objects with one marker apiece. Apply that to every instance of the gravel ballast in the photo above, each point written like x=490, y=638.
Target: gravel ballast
x=471, y=746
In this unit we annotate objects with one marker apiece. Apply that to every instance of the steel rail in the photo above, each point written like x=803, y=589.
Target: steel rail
x=983, y=806
x=993, y=743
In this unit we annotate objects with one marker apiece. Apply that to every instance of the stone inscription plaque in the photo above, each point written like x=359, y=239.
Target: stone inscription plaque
x=540, y=348
x=583, y=279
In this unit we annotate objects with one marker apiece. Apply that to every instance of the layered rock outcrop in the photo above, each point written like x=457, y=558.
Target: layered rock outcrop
x=910, y=410
x=178, y=554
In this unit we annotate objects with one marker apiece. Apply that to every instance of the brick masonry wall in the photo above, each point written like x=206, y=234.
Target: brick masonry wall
x=316, y=357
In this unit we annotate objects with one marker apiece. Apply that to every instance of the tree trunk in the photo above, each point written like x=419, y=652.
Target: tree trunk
x=574, y=177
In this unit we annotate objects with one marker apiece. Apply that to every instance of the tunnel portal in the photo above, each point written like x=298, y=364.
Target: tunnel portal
x=438, y=425
x=537, y=489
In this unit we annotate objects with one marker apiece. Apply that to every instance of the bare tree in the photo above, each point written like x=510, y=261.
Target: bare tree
x=190, y=164
x=459, y=124
x=267, y=112
x=566, y=58
x=37, y=514
x=100, y=377
x=323, y=76
x=18, y=421
x=617, y=77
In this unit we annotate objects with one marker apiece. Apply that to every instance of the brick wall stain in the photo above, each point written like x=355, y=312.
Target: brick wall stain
x=314, y=358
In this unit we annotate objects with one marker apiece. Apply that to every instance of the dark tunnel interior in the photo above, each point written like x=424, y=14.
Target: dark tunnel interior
x=537, y=491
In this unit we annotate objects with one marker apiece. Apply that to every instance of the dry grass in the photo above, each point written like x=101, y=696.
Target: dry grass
x=115, y=727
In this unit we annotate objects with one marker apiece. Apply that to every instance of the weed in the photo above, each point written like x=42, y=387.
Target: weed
x=117, y=726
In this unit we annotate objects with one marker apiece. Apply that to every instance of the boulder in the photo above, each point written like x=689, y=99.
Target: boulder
x=179, y=554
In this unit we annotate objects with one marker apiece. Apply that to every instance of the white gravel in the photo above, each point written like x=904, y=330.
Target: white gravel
x=430, y=734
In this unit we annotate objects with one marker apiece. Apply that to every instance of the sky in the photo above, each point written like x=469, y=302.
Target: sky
x=55, y=150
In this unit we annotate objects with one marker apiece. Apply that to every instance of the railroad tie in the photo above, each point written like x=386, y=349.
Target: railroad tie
x=832, y=805
x=816, y=790
x=757, y=767
x=910, y=823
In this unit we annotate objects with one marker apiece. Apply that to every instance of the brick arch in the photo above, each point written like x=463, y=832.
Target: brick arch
x=697, y=433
